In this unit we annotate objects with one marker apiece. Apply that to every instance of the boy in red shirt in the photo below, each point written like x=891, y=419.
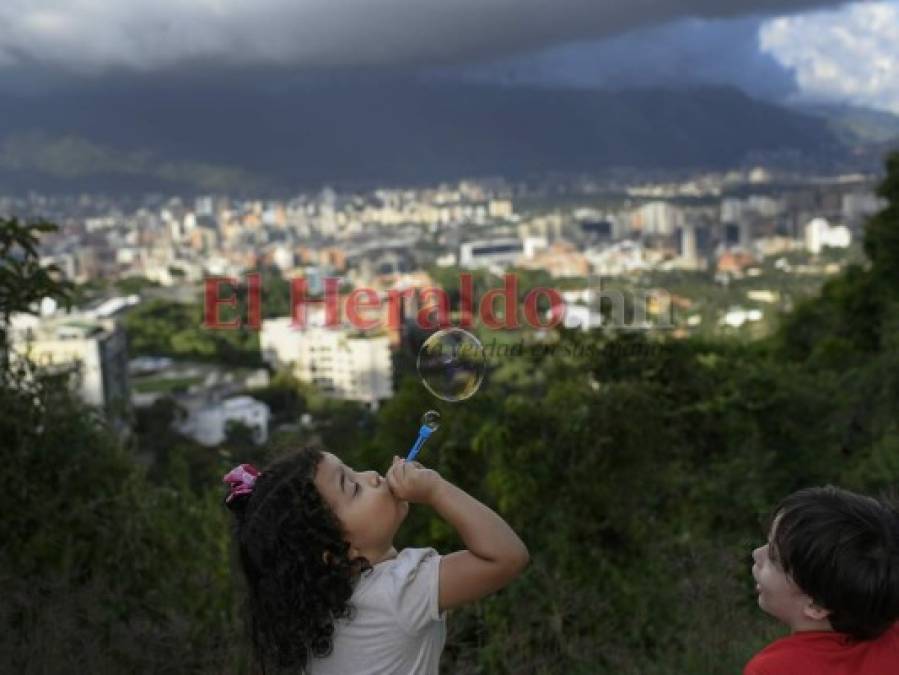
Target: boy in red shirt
x=830, y=571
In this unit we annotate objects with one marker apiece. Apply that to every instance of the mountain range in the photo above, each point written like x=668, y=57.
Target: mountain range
x=210, y=137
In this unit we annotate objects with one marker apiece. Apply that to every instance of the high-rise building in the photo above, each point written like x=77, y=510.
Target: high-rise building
x=342, y=362
x=689, y=248
x=657, y=218
x=93, y=352
x=745, y=235
x=204, y=205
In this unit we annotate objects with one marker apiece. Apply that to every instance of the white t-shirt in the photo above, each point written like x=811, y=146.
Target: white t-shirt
x=397, y=628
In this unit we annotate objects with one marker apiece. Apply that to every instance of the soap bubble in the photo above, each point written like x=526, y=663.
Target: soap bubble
x=451, y=364
x=431, y=420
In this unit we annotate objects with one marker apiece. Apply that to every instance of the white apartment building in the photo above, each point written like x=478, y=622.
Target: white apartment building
x=339, y=361
x=532, y=245
x=92, y=350
x=619, y=258
x=490, y=252
x=735, y=210
x=500, y=209
x=732, y=210
x=819, y=233
x=657, y=218
x=578, y=316
x=209, y=424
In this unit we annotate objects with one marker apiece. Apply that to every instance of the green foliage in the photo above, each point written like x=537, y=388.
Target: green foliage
x=882, y=232
x=23, y=280
x=285, y=396
x=164, y=328
x=275, y=293
x=103, y=570
x=131, y=285
x=73, y=157
x=89, y=542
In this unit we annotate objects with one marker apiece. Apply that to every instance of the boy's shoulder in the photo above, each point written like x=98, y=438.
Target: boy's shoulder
x=827, y=653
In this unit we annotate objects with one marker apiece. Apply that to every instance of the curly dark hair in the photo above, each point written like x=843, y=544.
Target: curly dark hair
x=296, y=563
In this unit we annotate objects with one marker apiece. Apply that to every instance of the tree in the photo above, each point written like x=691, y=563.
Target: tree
x=23, y=280
x=846, y=322
x=89, y=544
x=882, y=231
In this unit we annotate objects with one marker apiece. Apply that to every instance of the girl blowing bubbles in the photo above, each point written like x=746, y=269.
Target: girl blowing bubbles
x=328, y=594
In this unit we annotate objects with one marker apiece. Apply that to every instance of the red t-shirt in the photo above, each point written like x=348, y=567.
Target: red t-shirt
x=828, y=653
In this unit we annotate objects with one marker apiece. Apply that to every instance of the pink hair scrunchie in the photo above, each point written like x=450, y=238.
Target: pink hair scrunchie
x=241, y=479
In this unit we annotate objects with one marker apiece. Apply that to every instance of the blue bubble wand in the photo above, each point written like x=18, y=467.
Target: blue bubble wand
x=430, y=422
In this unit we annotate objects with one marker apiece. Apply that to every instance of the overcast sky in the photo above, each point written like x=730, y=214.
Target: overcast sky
x=686, y=51
x=799, y=48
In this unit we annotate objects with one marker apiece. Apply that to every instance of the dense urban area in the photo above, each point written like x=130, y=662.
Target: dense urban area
x=711, y=254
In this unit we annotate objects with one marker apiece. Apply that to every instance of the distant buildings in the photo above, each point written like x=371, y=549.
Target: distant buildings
x=341, y=362
x=209, y=423
x=172, y=271
x=734, y=210
x=734, y=263
x=578, y=316
x=763, y=295
x=532, y=245
x=384, y=239
x=819, y=233
x=657, y=217
x=689, y=249
x=92, y=351
x=500, y=209
x=735, y=317
x=490, y=252
x=619, y=258
x=561, y=259
x=486, y=223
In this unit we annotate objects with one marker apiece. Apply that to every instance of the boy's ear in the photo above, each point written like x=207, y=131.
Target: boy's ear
x=815, y=612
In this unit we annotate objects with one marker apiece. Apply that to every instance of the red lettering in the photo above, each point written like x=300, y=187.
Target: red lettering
x=213, y=301
x=254, y=301
x=509, y=293
x=442, y=307
x=395, y=305
x=298, y=302
x=556, y=303
x=332, y=302
x=354, y=303
x=466, y=300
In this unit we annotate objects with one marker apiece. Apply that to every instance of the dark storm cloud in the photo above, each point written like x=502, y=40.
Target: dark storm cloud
x=684, y=52
x=92, y=36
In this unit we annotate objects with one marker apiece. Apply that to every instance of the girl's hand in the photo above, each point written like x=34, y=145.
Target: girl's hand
x=411, y=481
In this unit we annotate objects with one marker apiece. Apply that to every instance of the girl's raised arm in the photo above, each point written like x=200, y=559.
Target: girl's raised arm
x=494, y=554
